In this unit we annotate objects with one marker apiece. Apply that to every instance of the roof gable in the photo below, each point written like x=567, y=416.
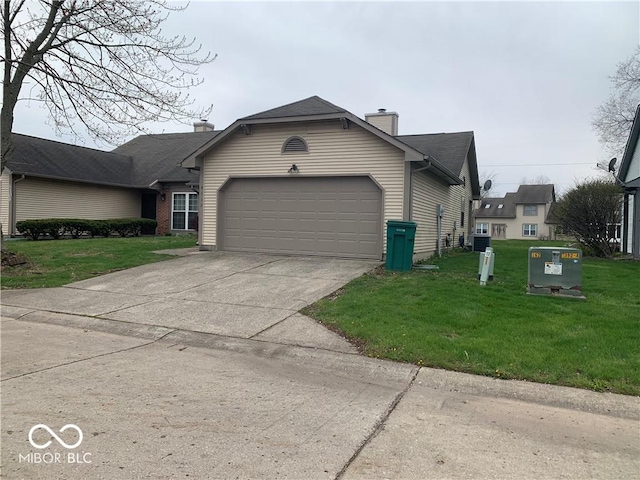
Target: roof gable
x=316, y=109
x=302, y=108
x=630, y=151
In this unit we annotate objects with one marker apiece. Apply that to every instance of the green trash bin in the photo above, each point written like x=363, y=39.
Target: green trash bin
x=400, y=239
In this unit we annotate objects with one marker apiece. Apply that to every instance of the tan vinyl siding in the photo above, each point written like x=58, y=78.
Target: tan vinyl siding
x=40, y=198
x=429, y=191
x=5, y=203
x=332, y=151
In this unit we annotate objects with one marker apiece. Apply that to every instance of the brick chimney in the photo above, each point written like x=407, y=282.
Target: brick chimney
x=203, y=126
x=385, y=121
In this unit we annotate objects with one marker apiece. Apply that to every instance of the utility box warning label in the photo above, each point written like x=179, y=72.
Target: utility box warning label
x=551, y=268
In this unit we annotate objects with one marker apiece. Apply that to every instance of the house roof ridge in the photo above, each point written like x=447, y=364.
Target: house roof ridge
x=328, y=103
x=438, y=133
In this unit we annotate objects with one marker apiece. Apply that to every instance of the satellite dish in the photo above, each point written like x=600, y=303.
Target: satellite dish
x=487, y=186
x=612, y=164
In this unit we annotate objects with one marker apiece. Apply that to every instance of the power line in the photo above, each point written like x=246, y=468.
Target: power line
x=539, y=164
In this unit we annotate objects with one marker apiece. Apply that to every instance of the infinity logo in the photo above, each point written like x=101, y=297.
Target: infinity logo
x=52, y=433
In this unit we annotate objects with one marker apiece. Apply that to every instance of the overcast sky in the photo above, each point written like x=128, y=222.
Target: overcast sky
x=525, y=77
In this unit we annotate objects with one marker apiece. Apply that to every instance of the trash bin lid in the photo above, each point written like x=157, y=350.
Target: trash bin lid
x=400, y=223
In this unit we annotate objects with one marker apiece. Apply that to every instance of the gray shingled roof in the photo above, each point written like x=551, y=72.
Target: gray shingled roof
x=508, y=209
x=51, y=159
x=449, y=149
x=158, y=156
x=309, y=106
x=551, y=214
x=535, y=194
x=137, y=163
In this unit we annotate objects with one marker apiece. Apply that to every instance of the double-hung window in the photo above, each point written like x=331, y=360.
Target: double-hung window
x=482, y=228
x=184, y=212
x=529, y=230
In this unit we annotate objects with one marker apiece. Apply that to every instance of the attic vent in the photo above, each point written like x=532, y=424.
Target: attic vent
x=295, y=145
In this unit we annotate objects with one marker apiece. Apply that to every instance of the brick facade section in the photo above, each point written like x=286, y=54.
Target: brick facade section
x=164, y=211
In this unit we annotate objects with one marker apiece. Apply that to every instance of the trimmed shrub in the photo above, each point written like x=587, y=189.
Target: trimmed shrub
x=31, y=228
x=56, y=227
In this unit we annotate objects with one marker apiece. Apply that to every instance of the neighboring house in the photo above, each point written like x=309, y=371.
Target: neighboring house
x=142, y=178
x=629, y=177
x=312, y=178
x=525, y=214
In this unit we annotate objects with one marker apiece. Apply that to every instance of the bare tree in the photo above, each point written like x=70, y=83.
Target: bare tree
x=101, y=64
x=484, y=177
x=539, y=180
x=613, y=119
x=590, y=211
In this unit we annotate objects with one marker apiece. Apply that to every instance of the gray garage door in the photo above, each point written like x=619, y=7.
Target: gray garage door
x=330, y=216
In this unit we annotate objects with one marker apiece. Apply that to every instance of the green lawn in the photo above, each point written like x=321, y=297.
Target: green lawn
x=57, y=262
x=444, y=319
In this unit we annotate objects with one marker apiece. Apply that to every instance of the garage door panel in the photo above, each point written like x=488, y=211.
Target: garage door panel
x=334, y=216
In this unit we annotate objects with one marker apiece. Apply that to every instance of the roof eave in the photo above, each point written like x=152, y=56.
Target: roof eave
x=473, y=169
x=442, y=172
x=76, y=180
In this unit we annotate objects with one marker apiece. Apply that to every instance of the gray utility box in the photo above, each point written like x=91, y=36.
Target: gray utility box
x=555, y=271
x=491, y=261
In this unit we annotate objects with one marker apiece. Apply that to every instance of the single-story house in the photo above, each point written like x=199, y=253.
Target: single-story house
x=312, y=178
x=629, y=176
x=142, y=178
x=525, y=214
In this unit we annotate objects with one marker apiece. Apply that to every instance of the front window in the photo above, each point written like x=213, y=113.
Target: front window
x=529, y=230
x=482, y=228
x=530, y=209
x=184, y=215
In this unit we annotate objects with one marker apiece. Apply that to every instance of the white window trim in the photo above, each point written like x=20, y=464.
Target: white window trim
x=535, y=225
x=477, y=228
x=524, y=210
x=186, y=210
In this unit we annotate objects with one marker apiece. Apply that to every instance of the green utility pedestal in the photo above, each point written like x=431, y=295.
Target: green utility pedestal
x=400, y=239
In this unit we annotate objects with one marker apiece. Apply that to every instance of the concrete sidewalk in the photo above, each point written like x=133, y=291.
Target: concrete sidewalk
x=165, y=403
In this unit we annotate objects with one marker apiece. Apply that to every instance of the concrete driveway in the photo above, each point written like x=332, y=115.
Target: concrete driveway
x=238, y=295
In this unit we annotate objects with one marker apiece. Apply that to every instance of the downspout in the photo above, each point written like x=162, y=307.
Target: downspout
x=411, y=173
x=12, y=207
x=625, y=223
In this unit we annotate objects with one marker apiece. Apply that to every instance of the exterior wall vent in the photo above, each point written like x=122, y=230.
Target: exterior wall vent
x=295, y=145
